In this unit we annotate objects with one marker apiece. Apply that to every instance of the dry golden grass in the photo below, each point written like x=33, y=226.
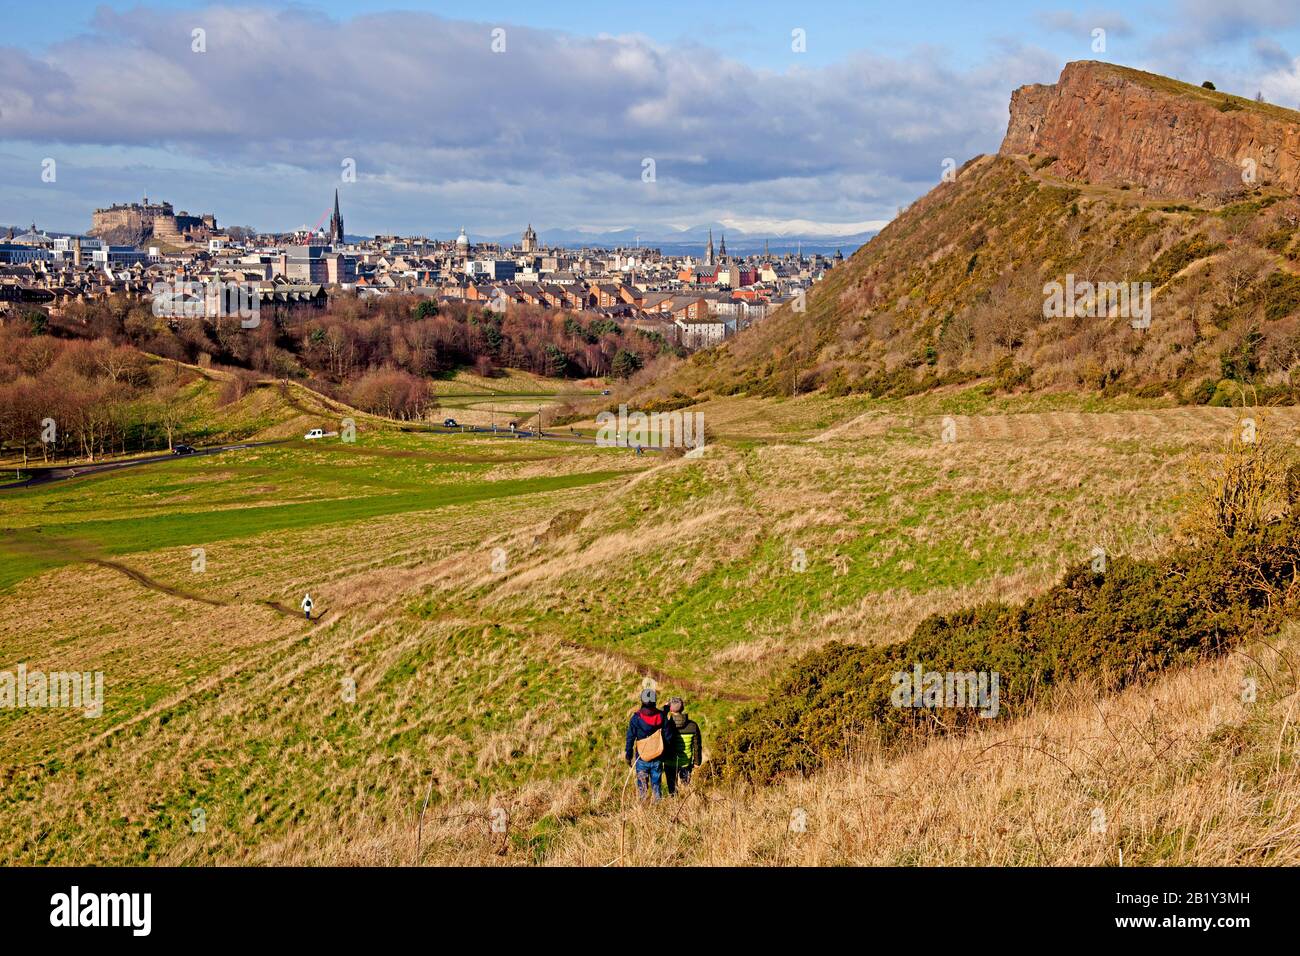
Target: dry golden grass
x=487, y=689
x=1157, y=425
x=1180, y=772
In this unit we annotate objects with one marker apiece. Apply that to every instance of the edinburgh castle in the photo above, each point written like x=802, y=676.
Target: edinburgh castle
x=133, y=223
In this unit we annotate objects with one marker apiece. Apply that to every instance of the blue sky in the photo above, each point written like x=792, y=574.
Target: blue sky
x=747, y=31
x=555, y=128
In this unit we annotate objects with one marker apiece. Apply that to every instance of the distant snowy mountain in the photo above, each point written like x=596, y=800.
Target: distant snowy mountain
x=693, y=240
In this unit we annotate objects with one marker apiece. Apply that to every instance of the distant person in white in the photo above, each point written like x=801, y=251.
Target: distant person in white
x=307, y=606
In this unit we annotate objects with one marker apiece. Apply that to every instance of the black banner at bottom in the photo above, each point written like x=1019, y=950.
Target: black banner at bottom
x=143, y=906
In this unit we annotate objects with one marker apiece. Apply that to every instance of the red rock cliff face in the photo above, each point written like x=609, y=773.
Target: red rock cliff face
x=1111, y=125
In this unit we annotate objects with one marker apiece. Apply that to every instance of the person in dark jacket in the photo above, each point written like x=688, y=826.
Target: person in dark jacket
x=688, y=746
x=644, y=723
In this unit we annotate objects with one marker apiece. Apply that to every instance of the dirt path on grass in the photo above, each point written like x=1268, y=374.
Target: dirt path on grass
x=144, y=580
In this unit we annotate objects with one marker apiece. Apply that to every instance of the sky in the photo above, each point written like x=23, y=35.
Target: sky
x=762, y=117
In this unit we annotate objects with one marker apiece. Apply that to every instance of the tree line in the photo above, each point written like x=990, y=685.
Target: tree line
x=356, y=336
x=87, y=371
x=84, y=398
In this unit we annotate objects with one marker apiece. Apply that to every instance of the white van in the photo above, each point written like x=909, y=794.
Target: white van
x=315, y=433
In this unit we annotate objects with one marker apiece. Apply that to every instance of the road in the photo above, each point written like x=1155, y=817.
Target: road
x=47, y=474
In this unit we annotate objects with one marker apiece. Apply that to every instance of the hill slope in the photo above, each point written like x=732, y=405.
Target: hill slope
x=1111, y=124
x=956, y=287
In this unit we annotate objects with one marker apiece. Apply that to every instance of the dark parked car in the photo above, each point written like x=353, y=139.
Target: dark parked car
x=450, y=423
x=183, y=450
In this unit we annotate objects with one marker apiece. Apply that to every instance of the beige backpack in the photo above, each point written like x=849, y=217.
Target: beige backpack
x=652, y=747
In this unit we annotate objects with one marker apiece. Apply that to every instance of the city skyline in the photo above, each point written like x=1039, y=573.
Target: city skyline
x=527, y=239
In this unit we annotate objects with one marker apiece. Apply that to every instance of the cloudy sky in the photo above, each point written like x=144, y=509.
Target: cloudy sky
x=552, y=119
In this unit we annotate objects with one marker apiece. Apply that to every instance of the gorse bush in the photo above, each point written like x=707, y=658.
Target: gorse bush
x=1114, y=622
x=1178, y=257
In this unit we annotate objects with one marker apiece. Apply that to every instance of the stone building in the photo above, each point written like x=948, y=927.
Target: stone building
x=133, y=223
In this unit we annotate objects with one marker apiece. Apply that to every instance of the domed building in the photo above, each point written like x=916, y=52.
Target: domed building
x=34, y=237
x=462, y=243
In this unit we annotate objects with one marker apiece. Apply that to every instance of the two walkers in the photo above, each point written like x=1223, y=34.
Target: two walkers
x=662, y=743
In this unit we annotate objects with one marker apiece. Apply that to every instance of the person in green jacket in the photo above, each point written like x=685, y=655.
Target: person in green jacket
x=687, y=747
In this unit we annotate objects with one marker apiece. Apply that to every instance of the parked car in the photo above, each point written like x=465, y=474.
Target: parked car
x=315, y=433
x=183, y=450
x=605, y=391
x=450, y=423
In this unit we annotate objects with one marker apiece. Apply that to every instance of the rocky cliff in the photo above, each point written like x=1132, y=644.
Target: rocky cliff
x=1114, y=125
x=955, y=290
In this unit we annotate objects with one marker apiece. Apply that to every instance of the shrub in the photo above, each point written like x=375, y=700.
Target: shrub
x=1011, y=375
x=672, y=403
x=1202, y=393
x=1116, y=624
x=1278, y=240
x=1281, y=294
x=1240, y=362
x=392, y=393
x=1226, y=394
x=1176, y=258
x=1124, y=625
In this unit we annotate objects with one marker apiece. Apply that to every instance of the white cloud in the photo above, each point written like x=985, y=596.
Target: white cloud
x=443, y=130
x=1282, y=86
x=1082, y=24
x=803, y=227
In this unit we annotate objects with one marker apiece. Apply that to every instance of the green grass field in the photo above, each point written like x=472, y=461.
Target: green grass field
x=496, y=604
x=259, y=490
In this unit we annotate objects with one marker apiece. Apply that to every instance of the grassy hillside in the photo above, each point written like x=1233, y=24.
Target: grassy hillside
x=486, y=684
x=1215, y=98
x=952, y=292
x=1178, y=772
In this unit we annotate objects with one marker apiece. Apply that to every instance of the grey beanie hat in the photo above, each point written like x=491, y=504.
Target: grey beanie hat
x=648, y=696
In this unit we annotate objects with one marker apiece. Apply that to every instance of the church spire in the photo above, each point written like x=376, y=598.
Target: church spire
x=708, y=251
x=336, y=222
